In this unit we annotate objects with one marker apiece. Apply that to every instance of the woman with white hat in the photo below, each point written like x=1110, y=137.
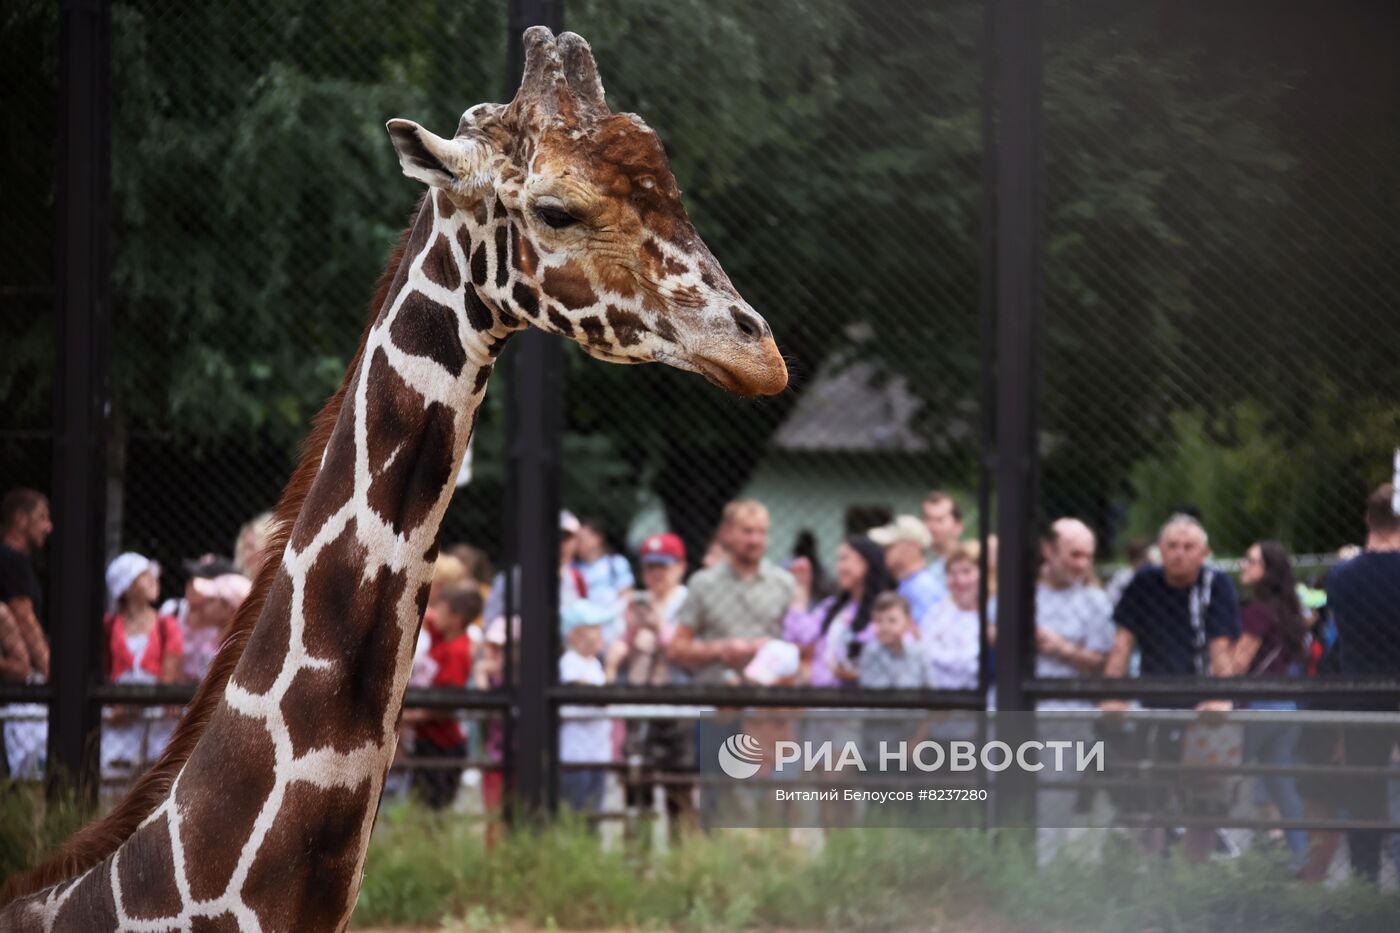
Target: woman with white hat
x=143, y=647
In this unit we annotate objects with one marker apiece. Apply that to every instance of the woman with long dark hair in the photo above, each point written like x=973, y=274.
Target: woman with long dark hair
x=831, y=634
x=1274, y=643
x=1275, y=633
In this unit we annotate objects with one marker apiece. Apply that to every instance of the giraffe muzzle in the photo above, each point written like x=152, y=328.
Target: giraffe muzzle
x=760, y=371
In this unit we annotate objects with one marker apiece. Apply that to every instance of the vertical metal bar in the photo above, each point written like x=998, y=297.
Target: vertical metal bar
x=986, y=320
x=535, y=429
x=81, y=385
x=1016, y=30
x=1018, y=298
x=987, y=460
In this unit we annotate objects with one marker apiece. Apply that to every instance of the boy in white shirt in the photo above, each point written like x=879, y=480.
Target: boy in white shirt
x=587, y=740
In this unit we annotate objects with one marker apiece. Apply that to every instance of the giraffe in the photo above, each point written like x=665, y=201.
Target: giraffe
x=550, y=211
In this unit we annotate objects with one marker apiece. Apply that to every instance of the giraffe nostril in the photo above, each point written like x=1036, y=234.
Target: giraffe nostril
x=748, y=325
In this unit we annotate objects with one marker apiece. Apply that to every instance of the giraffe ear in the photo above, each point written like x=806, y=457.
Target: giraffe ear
x=458, y=163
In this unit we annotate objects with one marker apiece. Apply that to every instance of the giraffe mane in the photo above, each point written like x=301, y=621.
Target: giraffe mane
x=100, y=838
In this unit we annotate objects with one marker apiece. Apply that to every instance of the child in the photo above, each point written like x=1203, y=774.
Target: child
x=489, y=673
x=638, y=657
x=895, y=659
x=441, y=736
x=209, y=615
x=447, y=572
x=583, y=741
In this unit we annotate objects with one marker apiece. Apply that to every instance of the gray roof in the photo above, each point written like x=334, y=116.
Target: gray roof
x=853, y=407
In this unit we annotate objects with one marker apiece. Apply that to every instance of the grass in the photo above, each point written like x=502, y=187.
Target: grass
x=428, y=869
x=33, y=823
x=424, y=869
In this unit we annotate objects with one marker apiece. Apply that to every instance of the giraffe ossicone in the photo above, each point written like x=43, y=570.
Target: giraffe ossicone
x=550, y=211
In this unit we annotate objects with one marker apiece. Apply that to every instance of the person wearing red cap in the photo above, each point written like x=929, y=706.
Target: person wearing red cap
x=663, y=746
x=663, y=569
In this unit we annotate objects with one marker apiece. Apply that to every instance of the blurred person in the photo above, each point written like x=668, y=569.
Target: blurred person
x=905, y=539
x=489, y=670
x=663, y=569
x=651, y=747
x=23, y=737
x=143, y=647
x=584, y=739
x=735, y=606
x=607, y=574
x=448, y=572
x=944, y=520
x=1139, y=552
x=249, y=545
x=895, y=658
x=1363, y=596
x=572, y=586
x=1274, y=643
x=207, y=566
x=663, y=746
x=1183, y=616
x=25, y=527
x=14, y=655
x=892, y=660
x=480, y=572
x=439, y=735
x=833, y=633
x=477, y=563
x=812, y=575
x=1073, y=618
x=950, y=632
x=1073, y=635
x=489, y=673
x=209, y=614
x=638, y=656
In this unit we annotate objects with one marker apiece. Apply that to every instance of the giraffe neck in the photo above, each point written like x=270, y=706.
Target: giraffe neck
x=267, y=825
x=328, y=684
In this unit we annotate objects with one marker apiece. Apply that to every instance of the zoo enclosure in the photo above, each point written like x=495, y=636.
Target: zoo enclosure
x=1135, y=281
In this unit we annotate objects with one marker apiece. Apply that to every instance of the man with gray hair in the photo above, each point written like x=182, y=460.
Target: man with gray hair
x=1182, y=616
x=1073, y=619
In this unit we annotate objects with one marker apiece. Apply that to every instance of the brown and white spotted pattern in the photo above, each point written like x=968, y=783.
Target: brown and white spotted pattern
x=550, y=212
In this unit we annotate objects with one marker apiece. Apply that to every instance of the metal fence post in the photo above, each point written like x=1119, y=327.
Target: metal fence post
x=1016, y=47
x=81, y=387
x=1018, y=299
x=535, y=425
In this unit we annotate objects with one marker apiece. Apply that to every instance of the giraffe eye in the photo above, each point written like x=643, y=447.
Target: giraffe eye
x=556, y=217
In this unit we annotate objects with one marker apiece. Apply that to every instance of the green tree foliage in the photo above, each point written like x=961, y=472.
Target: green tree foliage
x=1210, y=256
x=257, y=196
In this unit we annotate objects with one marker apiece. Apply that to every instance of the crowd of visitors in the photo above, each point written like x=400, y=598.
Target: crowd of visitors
x=900, y=609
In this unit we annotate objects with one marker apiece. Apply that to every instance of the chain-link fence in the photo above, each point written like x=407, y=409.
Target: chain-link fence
x=1218, y=184
x=1219, y=196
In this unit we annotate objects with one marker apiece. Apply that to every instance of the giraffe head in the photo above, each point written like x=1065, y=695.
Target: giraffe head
x=601, y=249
